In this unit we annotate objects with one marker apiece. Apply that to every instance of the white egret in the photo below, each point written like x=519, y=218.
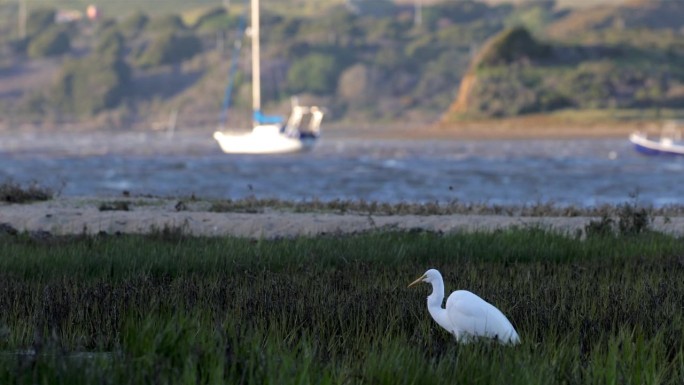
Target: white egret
x=466, y=316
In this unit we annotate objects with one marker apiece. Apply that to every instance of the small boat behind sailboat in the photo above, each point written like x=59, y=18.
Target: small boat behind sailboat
x=668, y=143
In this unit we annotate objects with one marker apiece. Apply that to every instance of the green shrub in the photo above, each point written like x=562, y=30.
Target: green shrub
x=39, y=20
x=170, y=49
x=603, y=227
x=465, y=35
x=134, y=24
x=106, y=26
x=115, y=206
x=210, y=14
x=629, y=220
x=51, y=42
x=591, y=85
x=19, y=45
x=166, y=24
x=111, y=43
x=420, y=50
x=316, y=73
x=534, y=15
x=92, y=84
x=356, y=84
x=33, y=103
x=213, y=20
x=12, y=192
x=341, y=27
x=285, y=31
x=382, y=30
x=376, y=8
x=388, y=57
x=502, y=93
x=517, y=89
x=511, y=45
x=633, y=219
x=459, y=12
x=549, y=99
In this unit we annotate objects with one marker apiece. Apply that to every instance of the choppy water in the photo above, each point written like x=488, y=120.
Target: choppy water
x=579, y=172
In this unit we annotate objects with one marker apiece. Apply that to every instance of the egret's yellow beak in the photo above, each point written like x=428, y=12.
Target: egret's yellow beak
x=417, y=281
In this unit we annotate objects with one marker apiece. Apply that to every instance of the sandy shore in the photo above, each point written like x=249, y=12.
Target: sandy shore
x=527, y=127
x=538, y=126
x=65, y=216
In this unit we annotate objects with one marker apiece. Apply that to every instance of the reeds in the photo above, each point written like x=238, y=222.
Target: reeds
x=12, y=192
x=605, y=309
x=536, y=209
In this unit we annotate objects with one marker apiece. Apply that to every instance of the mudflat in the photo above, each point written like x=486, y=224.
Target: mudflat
x=70, y=216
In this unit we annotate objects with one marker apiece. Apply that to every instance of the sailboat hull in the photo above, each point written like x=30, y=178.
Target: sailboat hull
x=261, y=140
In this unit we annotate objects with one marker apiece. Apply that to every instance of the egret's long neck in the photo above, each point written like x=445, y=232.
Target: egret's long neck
x=434, y=303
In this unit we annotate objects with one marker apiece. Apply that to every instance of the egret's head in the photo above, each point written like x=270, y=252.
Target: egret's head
x=429, y=277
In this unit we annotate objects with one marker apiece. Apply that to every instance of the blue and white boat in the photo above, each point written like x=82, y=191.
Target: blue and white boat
x=668, y=143
x=269, y=134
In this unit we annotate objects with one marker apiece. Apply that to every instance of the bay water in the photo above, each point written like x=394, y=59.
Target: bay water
x=580, y=172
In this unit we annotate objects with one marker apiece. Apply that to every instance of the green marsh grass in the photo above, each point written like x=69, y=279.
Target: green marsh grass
x=336, y=310
x=622, y=211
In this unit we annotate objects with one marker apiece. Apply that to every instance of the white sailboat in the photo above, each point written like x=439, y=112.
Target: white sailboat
x=300, y=132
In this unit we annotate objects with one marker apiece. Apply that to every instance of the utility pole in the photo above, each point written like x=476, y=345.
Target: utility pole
x=22, y=18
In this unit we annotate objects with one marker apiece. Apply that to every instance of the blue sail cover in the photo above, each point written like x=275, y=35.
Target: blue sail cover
x=260, y=118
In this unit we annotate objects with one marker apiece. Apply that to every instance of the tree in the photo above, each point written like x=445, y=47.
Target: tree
x=92, y=84
x=39, y=20
x=51, y=42
x=215, y=19
x=111, y=43
x=166, y=24
x=316, y=73
x=134, y=24
x=170, y=49
x=512, y=45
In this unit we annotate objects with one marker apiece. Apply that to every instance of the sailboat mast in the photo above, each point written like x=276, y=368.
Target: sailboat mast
x=256, y=68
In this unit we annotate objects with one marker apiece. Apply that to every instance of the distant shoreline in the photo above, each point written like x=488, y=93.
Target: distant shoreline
x=526, y=127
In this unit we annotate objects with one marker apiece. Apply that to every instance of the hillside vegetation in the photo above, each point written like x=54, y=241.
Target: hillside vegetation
x=610, y=67
x=166, y=62
x=364, y=61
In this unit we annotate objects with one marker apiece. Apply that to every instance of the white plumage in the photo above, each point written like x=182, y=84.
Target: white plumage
x=466, y=316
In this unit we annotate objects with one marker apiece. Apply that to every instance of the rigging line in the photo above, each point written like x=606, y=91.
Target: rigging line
x=235, y=55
